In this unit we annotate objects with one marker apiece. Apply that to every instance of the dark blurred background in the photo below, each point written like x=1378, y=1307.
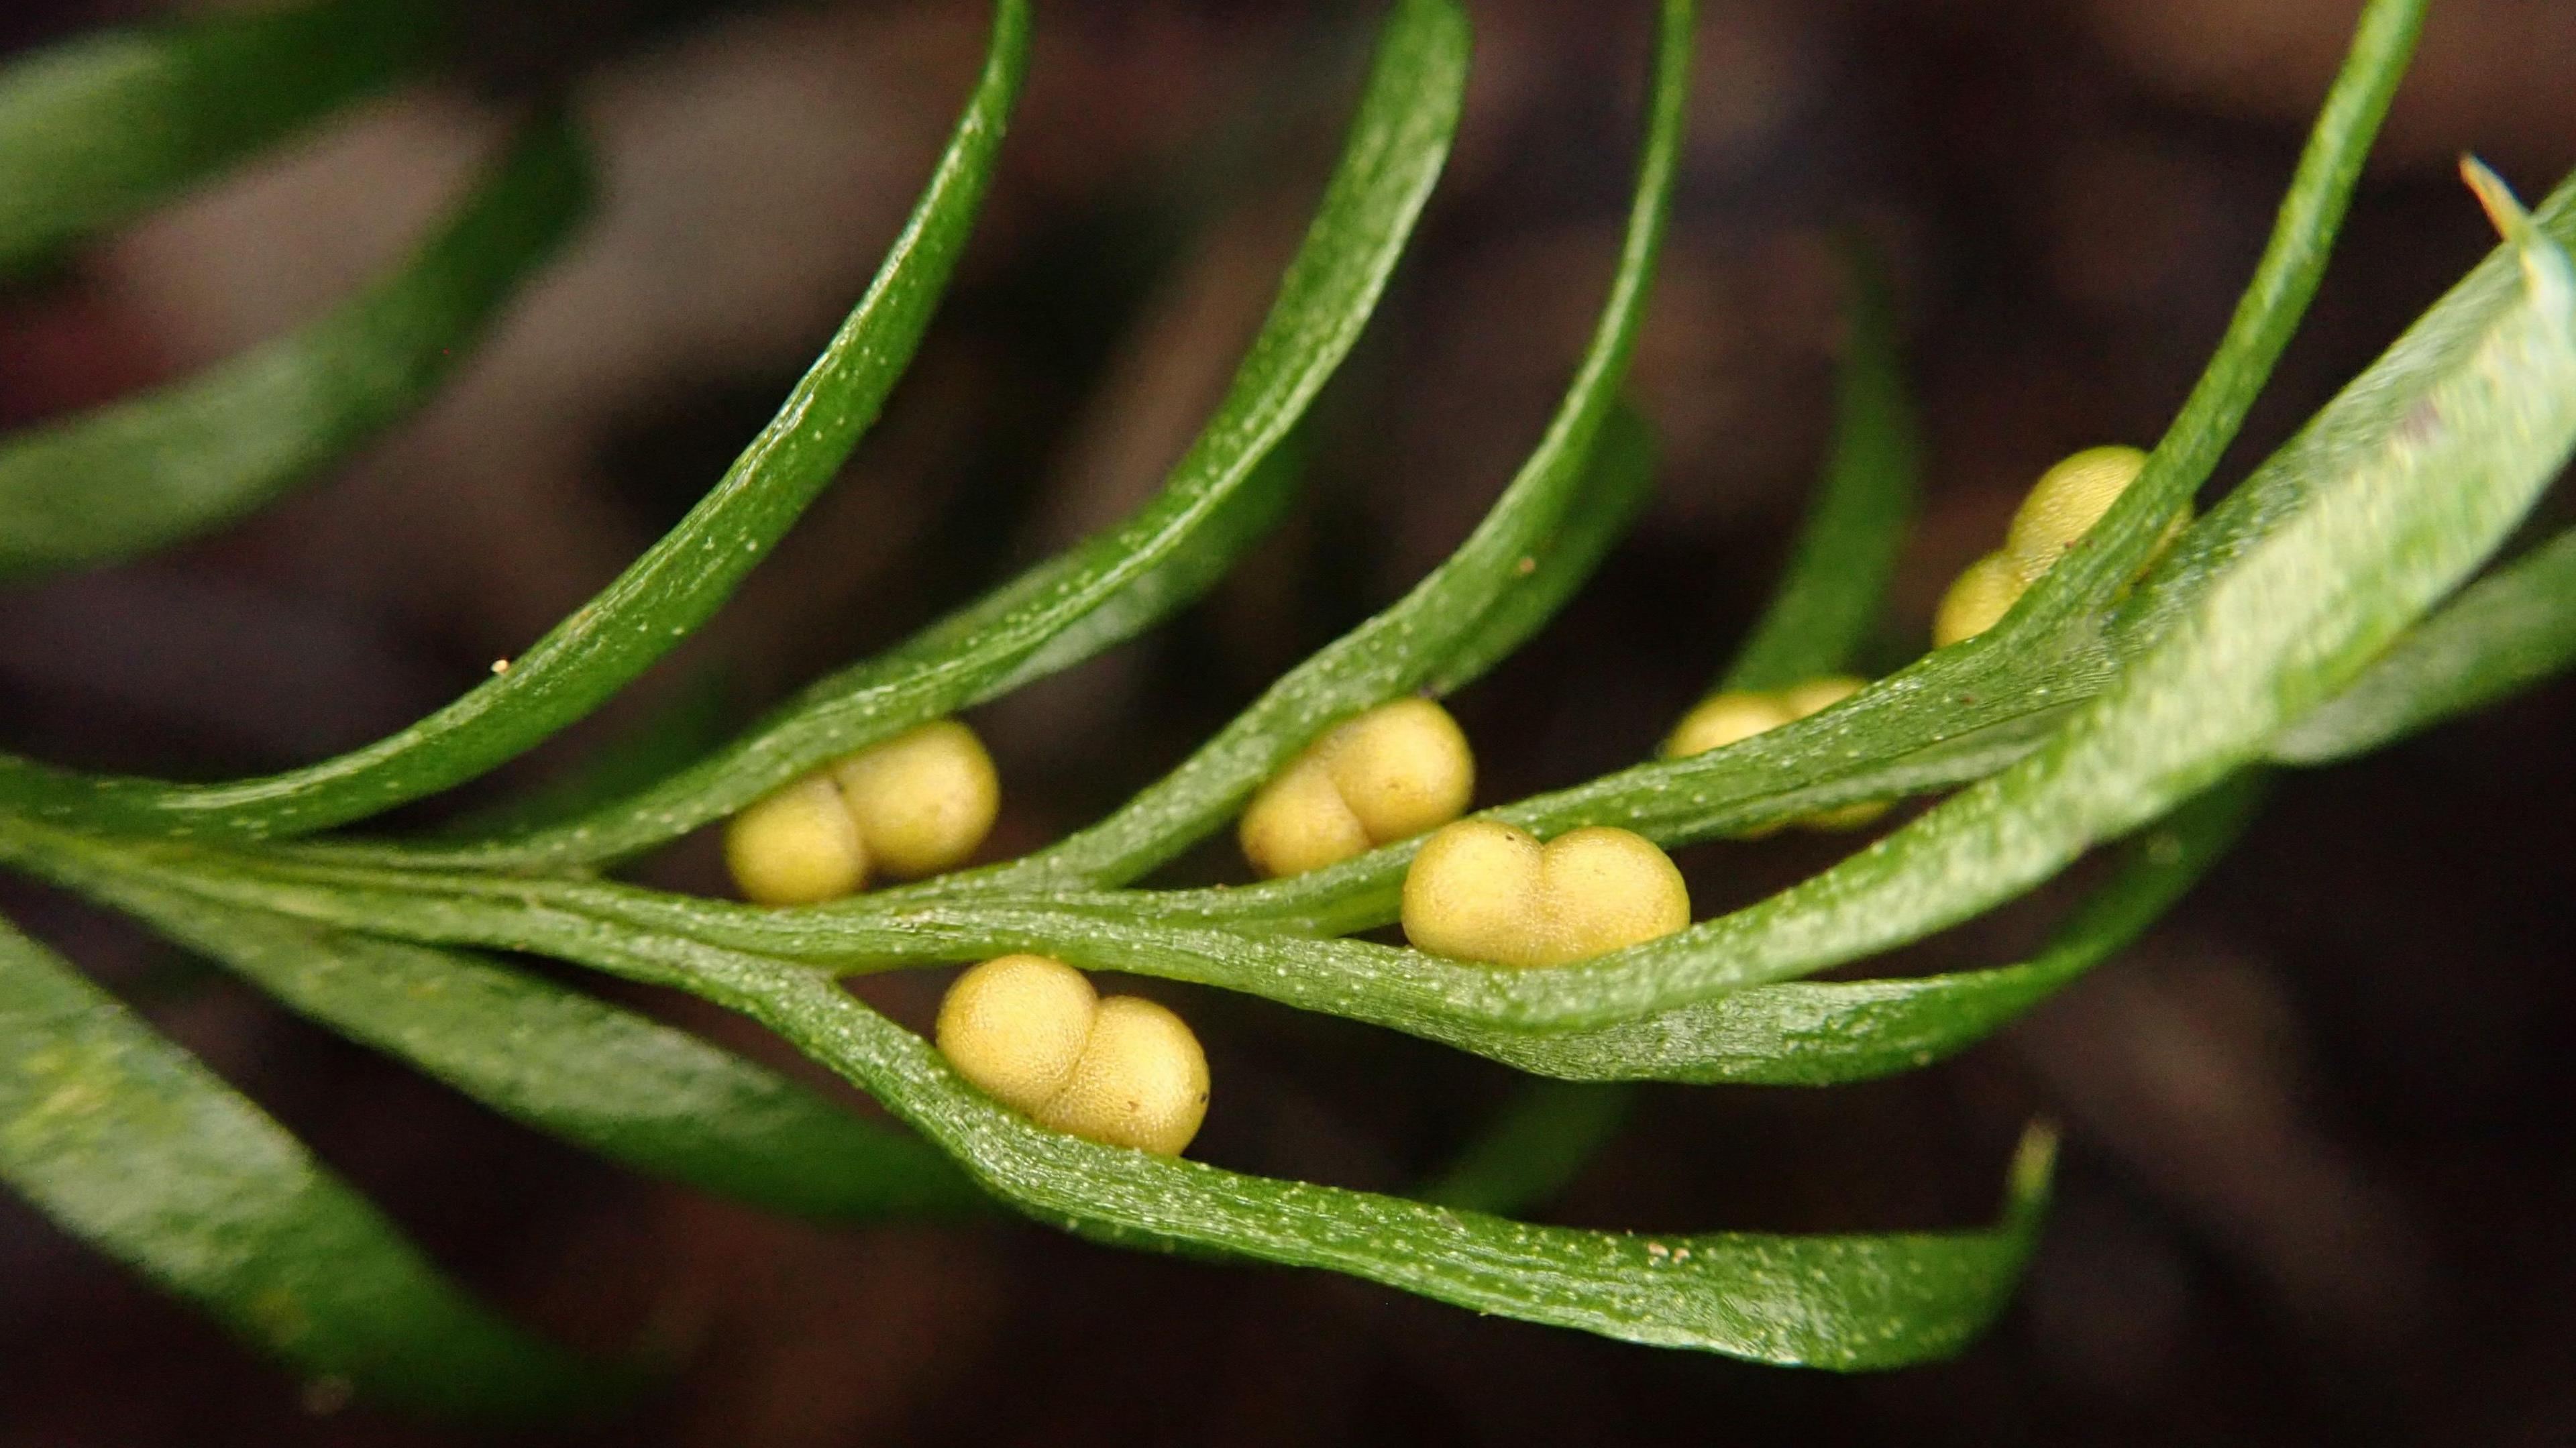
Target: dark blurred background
x=2316, y=1186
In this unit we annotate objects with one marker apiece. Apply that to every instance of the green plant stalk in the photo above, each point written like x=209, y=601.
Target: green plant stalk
x=141, y=473
x=668, y=592
x=97, y=130
x=126, y=1142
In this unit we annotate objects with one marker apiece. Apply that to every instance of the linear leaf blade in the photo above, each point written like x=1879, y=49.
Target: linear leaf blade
x=147, y=471
x=97, y=130
x=126, y=1142
x=1849, y=1302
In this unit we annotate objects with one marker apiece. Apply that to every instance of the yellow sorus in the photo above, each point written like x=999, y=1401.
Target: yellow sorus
x=1391, y=773
x=1977, y=600
x=1031, y=1033
x=2065, y=503
x=911, y=806
x=1739, y=714
x=2059, y=510
x=1483, y=890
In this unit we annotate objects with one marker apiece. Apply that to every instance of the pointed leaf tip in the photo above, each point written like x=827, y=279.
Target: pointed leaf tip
x=2504, y=212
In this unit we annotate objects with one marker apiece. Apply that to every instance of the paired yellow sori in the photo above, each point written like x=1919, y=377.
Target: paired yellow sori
x=1389, y=774
x=1482, y=890
x=914, y=805
x=2061, y=508
x=1033, y=1035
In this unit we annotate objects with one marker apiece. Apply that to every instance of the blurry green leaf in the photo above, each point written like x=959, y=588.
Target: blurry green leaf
x=668, y=592
x=1532, y=1148
x=626, y=1086
x=1836, y=581
x=694, y=717
x=2502, y=635
x=126, y=1142
x=1243, y=517
x=96, y=130
x=137, y=474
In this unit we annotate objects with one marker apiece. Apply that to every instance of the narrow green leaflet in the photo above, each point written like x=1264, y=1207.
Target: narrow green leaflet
x=126, y=1142
x=624, y=1085
x=1836, y=582
x=1611, y=496
x=1849, y=1302
x=98, y=129
x=1207, y=788
x=2266, y=316
x=2502, y=635
x=1250, y=513
x=1829, y=1033
x=1467, y=612
x=137, y=474
x=665, y=594
x=1397, y=144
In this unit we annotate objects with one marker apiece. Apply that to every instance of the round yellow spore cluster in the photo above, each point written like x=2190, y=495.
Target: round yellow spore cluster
x=2061, y=508
x=1738, y=714
x=1391, y=773
x=1483, y=890
x=914, y=805
x=1032, y=1034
